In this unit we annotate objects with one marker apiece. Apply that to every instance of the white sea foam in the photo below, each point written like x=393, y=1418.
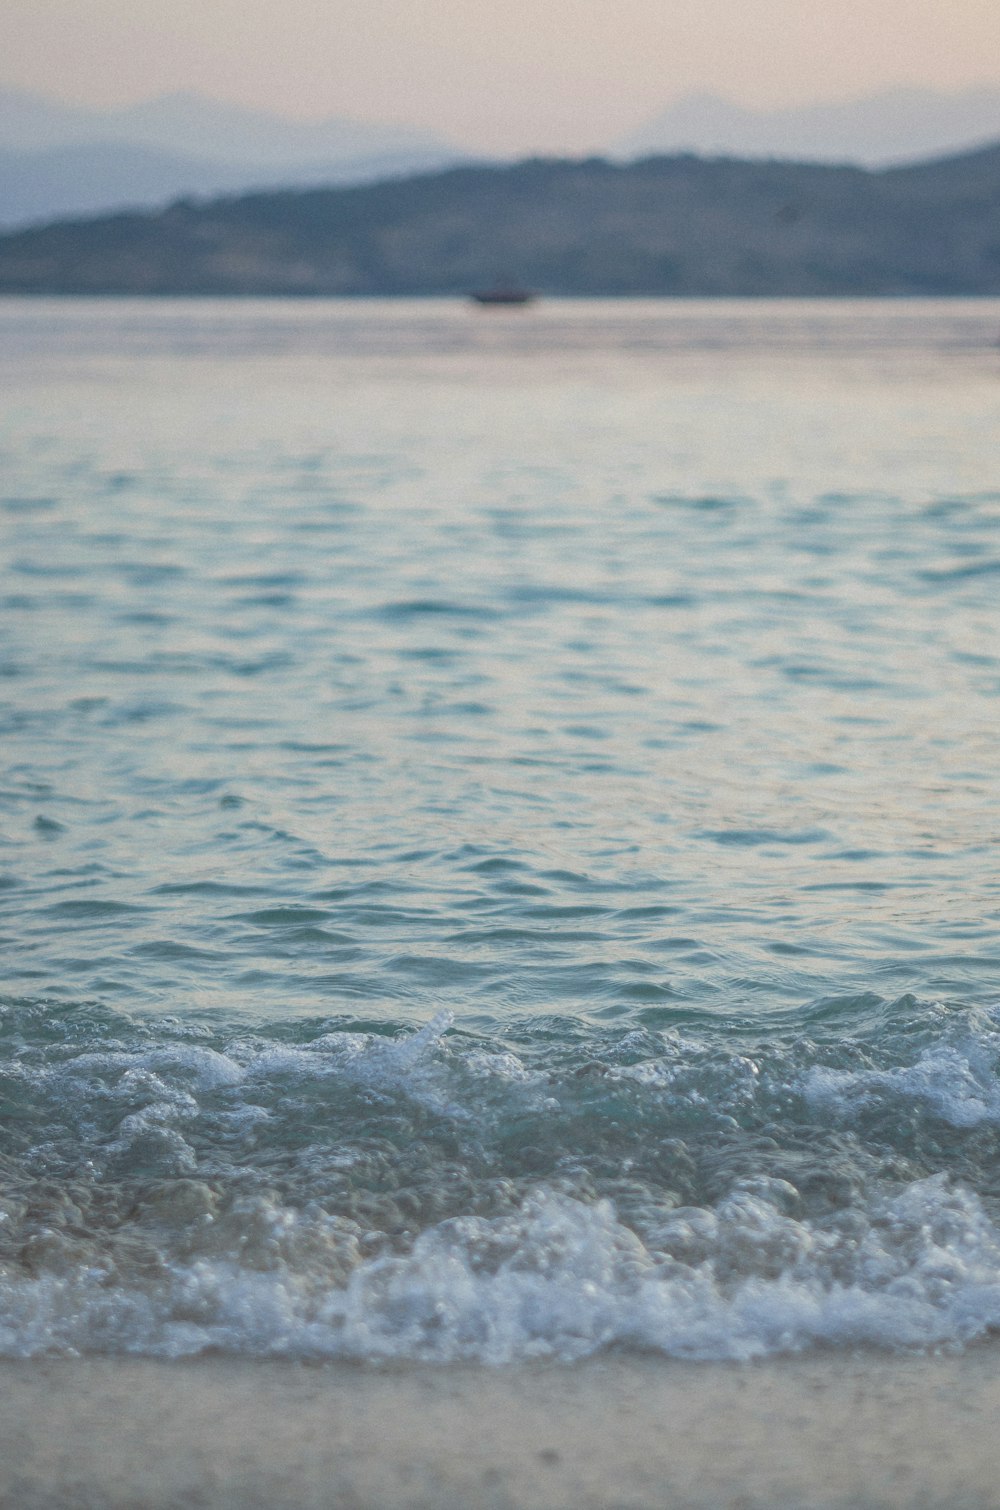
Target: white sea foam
x=164, y=1087
x=558, y=1279
x=959, y=1084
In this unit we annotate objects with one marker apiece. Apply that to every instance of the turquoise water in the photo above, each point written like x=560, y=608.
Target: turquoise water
x=499, y=850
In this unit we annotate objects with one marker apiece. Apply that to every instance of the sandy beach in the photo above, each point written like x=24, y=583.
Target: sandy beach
x=830, y=1431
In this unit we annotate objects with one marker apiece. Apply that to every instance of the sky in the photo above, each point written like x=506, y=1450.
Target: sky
x=495, y=75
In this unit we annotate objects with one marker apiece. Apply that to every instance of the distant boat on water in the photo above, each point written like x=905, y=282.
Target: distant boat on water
x=503, y=293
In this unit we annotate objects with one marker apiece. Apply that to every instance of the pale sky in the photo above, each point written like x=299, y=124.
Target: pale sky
x=495, y=75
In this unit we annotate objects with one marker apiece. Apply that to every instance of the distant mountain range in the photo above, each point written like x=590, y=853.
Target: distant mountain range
x=663, y=226
x=61, y=160
x=58, y=160
x=900, y=125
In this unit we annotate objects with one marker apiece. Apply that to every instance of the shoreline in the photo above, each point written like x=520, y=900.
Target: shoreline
x=850, y=1431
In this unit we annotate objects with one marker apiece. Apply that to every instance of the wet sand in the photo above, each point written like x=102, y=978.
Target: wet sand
x=618, y=1434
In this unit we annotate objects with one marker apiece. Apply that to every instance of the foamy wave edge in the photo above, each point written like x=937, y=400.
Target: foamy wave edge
x=561, y=1280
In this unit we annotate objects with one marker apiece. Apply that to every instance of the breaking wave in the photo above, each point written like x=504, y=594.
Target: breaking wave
x=431, y=1195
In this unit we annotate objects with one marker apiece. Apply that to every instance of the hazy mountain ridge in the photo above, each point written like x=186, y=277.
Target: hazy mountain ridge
x=679, y=226
x=191, y=124
x=88, y=179
x=58, y=160
x=899, y=125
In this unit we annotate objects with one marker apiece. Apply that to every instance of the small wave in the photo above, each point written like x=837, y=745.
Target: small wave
x=958, y=1086
x=556, y=1280
x=750, y=838
x=442, y=1195
x=405, y=610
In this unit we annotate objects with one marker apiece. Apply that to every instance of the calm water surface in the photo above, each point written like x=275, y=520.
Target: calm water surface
x=499, y=827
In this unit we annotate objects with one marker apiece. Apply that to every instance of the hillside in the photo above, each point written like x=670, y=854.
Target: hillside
x=667, y=225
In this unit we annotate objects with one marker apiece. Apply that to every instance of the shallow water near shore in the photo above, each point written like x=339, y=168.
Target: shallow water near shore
x=499, y=829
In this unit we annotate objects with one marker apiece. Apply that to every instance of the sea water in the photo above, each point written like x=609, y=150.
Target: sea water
x=500, y=828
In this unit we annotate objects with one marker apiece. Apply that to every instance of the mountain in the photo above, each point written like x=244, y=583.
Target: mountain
x=86, y=179
x=672, y=225
x=191, y=125
x=57, y=160
x=900, y=125
x=185, y=122
x=30, y=122
x=79, y=179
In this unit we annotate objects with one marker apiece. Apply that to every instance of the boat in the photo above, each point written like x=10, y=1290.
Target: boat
x=503, y=294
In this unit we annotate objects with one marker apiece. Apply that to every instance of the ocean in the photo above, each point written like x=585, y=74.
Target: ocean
x=499, y=828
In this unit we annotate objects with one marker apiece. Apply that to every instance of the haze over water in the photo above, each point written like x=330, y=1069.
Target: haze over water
x=500, y=827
